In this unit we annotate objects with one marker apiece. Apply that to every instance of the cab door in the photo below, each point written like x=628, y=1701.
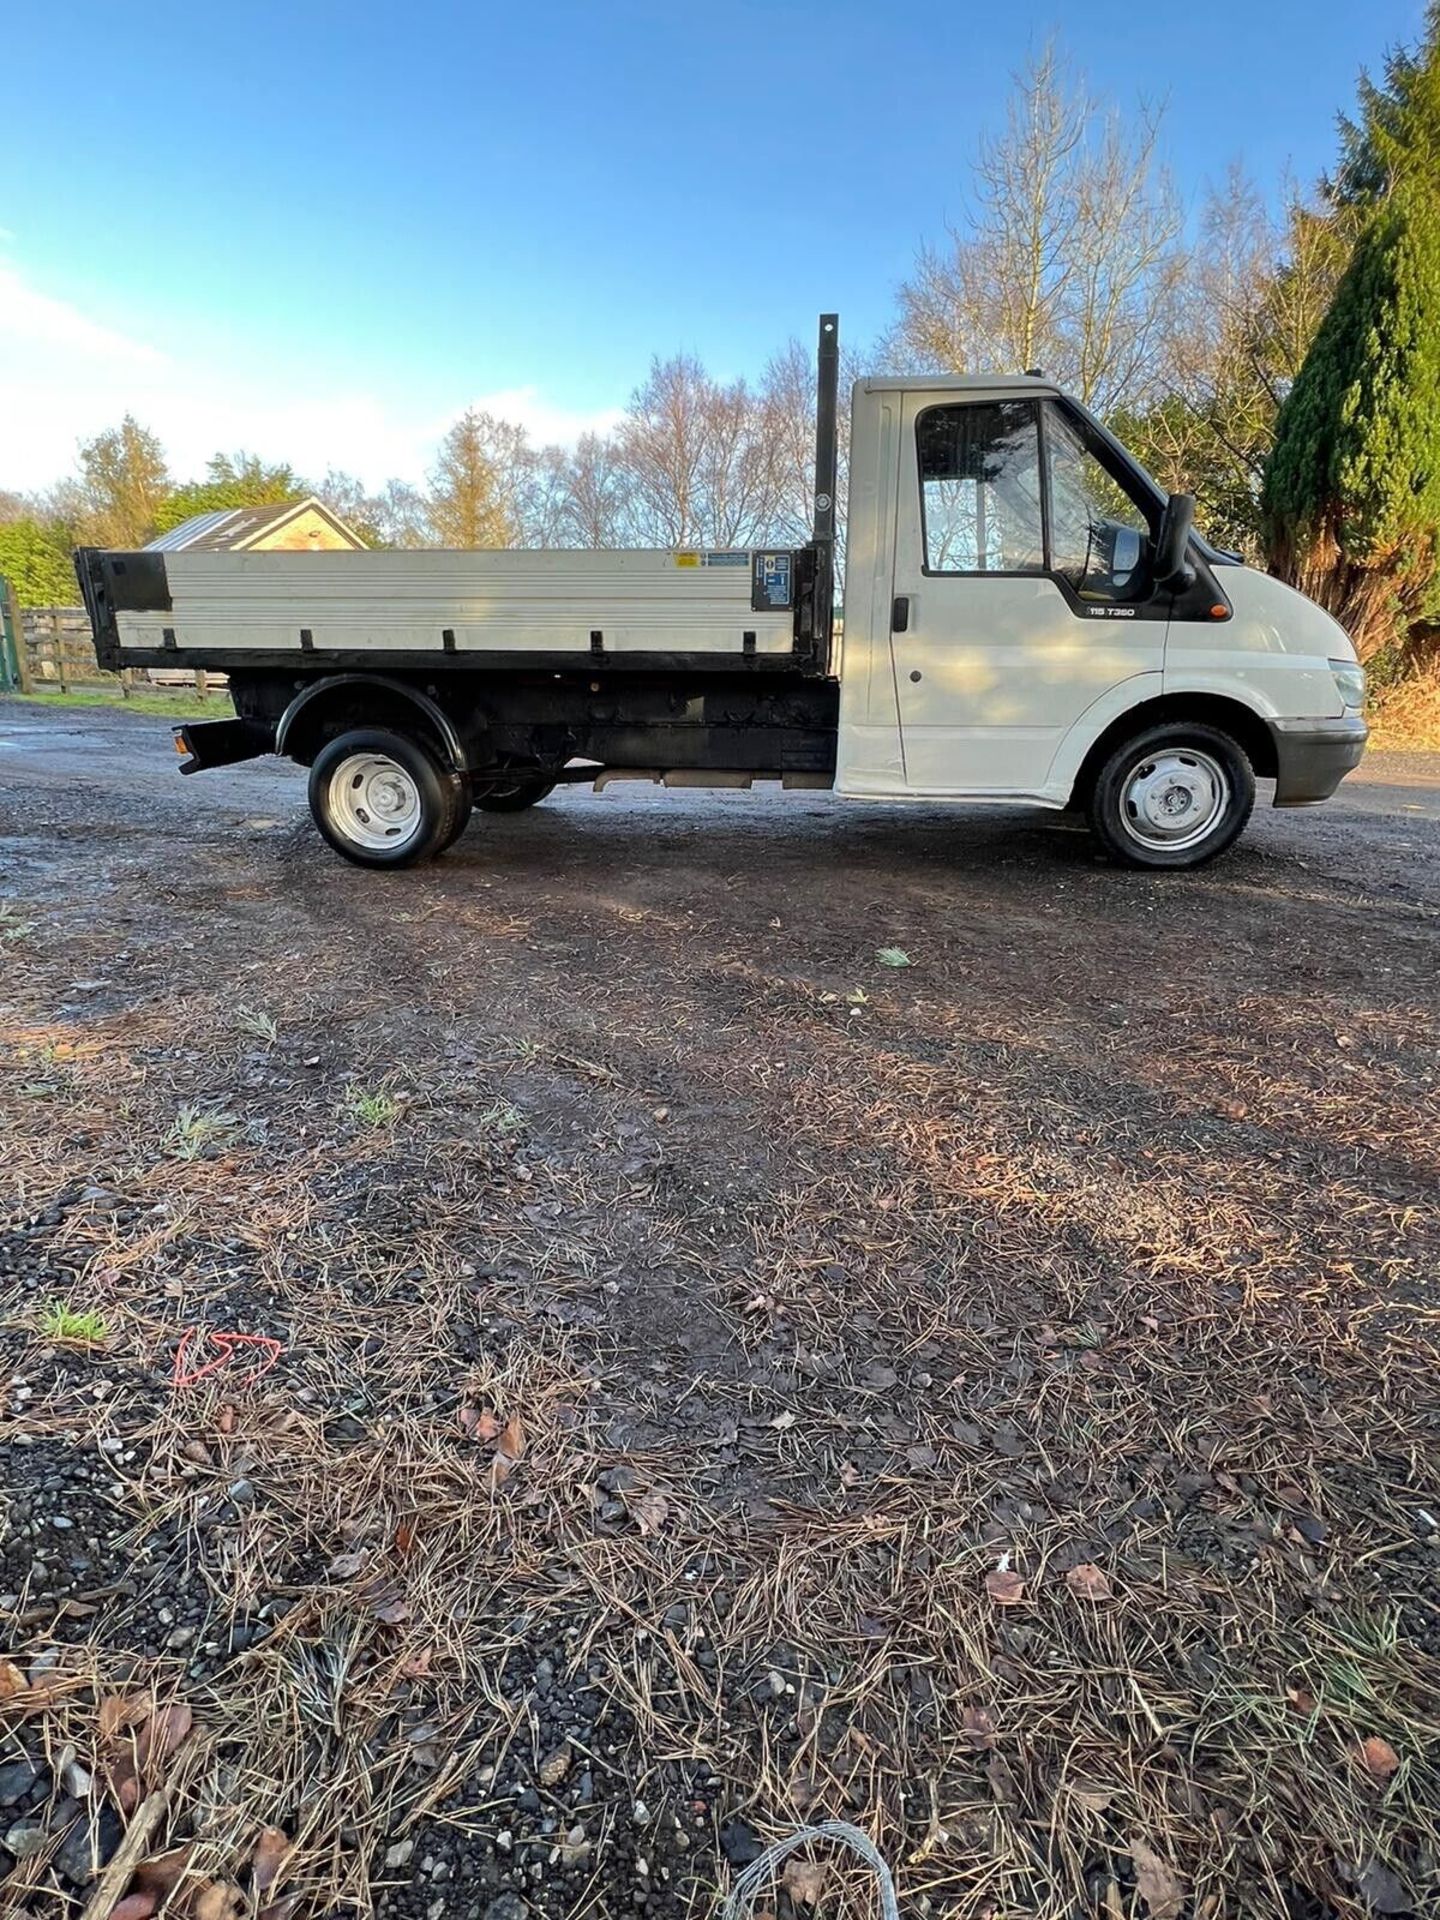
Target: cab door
x=1020, y=590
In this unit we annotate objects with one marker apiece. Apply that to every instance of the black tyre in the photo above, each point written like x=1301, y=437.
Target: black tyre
x=382, y=799
x=526, y=790
x=1174, y=795
x=464, y=805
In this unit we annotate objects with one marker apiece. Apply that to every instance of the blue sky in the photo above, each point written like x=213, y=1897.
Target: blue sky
x=320, y=231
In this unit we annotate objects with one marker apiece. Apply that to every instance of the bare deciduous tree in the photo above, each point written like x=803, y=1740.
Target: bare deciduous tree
x=1070, y=255
x=594, y=513
x=661, y=445
x=1255, y=294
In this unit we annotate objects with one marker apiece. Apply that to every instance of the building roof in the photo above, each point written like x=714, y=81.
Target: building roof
x=233, y=529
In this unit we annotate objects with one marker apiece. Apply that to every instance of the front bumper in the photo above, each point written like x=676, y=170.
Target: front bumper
x=1312, y=757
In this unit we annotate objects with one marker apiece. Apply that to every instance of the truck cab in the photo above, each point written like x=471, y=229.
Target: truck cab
x=1022, y=602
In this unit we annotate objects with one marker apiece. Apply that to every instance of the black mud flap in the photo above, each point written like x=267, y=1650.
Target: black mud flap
x=220, y=743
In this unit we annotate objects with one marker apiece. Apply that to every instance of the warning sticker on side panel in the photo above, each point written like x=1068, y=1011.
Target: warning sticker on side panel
x=687, y=559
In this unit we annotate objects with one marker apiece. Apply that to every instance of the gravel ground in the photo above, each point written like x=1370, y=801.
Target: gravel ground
x=685, y=1325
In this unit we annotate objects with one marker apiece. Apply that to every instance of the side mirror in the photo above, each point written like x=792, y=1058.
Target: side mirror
x=1172, y=572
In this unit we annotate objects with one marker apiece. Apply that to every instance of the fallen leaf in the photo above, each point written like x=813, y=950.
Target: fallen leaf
x=804, y=1881
x=161, y=1735
x=135, y=1906
x=1301, y=1699
x=511, y=1442
x=217, y=1900
x=416, y=1666
x=1095, y=1799
x=784, y=1421
x=1006, y=1589
x=405, y=1537
x=555, y=1766
x=162, y=1872
x=1377, y=1758
x=480, y=1423
x=12, y=1680
x=124, y=1782
x=650, y=1512
x=1088, y=1581
x=271, y=1850
x=921, y=1457
x=849, y=1474
x=392, y=1611
x=979, y=1728
x=346, y=1565
x=1157, y=1883
x=226, y=1420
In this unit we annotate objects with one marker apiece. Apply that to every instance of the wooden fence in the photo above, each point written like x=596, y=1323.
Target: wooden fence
x=57, y=652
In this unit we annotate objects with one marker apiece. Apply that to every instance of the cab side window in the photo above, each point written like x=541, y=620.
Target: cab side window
x=1099, y=537
x=980, y=488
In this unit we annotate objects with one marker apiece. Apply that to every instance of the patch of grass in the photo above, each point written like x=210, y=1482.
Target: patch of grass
x=262, y=1026
x=194, y=1129
x=502, y=1118
x=372, y=1109
x=13, y=925
x=178, y=705
x=60, y=1322
x=893, y=957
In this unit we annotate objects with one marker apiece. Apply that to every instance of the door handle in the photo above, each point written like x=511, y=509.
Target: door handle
x=900, y=613
x=916, y=674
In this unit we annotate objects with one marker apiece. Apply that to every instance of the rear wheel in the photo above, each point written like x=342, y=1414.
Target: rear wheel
x=1173, y=796
x=382, y=799
x=513, y=796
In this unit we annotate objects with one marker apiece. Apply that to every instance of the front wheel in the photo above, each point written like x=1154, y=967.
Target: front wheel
x=382, y=799
x=1173, y=796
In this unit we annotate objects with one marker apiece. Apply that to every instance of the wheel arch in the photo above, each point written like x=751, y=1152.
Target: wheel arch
x=1245, y=726
x=364, y=699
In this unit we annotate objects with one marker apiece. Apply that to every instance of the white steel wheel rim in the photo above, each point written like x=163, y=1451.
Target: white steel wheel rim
x=1173, y=799
x=374, y=801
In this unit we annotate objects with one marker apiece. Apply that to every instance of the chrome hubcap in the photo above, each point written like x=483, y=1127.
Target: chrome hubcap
x=374, y=801
x=1174, y=799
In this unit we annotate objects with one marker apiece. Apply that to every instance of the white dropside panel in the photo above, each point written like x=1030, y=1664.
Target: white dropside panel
x=492, y=602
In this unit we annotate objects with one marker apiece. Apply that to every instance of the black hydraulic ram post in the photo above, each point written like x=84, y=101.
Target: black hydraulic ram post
x=817, y=602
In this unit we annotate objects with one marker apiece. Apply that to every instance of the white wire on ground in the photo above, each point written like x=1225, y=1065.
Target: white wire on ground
x=756, y=1875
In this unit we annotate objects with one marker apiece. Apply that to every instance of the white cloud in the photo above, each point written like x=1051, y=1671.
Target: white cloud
x=544, y=422
x=65, y=375
x=31, y=318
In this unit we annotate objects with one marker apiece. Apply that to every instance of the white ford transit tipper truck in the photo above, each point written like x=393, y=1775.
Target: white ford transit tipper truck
x=1027, y=618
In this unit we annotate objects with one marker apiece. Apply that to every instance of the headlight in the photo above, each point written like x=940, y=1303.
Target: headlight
x=1350, y=679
